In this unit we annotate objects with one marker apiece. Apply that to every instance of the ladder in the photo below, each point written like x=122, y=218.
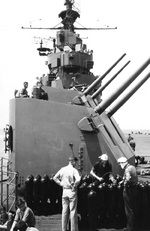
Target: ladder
x=8, y=185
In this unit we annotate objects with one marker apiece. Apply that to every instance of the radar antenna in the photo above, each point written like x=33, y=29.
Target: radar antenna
x=69, y=17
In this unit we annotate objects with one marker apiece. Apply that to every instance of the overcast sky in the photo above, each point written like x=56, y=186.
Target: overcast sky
x=20, y=60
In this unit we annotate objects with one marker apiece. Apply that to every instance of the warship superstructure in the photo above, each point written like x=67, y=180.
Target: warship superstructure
x=46, y=132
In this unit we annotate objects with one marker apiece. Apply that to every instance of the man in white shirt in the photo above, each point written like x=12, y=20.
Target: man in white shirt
x=68, y=177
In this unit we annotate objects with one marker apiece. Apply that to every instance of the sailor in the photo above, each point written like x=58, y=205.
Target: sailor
x=23, y=213
x=132, y=143
x=129, y=181
x=68, y=177
x=6, y=219
x=129, y=137
x=41, y=92
x=102, y=170
x=23, y=93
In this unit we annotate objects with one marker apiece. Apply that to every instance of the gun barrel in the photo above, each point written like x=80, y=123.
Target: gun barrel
x=99, y=79
x=99, y=91
x=104, y=104
x=127, y=96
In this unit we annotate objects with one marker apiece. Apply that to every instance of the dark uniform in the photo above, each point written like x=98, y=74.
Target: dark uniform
x=103, y=171
x=132, y=144
x=130, y=180
x=41, y=94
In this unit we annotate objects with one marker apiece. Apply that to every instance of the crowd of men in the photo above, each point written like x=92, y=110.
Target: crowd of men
x=68, y=178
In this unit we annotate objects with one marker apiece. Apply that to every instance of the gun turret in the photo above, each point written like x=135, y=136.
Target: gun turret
x=127, y=96
x=104, y=104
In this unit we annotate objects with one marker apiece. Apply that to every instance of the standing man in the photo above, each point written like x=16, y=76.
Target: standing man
x=129, y=137
x=68, y=177
x=130, y=180
x=102, y=170
x=132, y=144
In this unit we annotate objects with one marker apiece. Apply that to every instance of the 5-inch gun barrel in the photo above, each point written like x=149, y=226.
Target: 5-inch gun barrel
x=104, y=104
x=127, y=96
x=99, y=91
x=100, y=78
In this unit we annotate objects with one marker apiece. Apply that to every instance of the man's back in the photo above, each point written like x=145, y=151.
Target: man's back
x=68, y=175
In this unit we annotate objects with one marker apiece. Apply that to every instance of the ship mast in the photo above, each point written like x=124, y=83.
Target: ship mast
x=69, y=59
x=69, y=16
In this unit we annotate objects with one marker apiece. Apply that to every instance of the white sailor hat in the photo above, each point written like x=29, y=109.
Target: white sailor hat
x=122, y=159
x=103, y=157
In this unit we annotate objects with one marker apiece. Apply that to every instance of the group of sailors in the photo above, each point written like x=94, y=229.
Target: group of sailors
x=37, y=92
x=69, y=178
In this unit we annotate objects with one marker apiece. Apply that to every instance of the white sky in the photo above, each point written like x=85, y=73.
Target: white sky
x=19, y=59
